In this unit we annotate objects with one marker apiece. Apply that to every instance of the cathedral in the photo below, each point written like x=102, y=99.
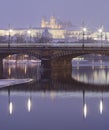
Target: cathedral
x=52, y=23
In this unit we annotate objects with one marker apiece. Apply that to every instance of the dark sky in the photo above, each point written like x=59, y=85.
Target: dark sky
x=23, y=13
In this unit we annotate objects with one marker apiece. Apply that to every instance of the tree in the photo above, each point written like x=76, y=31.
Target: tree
x=19, y=38
x=37, y=38
x=46, y=37
x=3, y=39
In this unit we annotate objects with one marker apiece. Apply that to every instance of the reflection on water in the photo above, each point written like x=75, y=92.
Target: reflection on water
x=55, y=100
x=10, y=108
x=101, y=106
x=96, y=75
x=85, y=110
x=29, y=104
x=10, y=103
x=60, y=110
x=12, y=97
x=22, y=71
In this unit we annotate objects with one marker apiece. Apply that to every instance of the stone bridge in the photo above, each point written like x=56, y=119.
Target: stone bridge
x=52, y=56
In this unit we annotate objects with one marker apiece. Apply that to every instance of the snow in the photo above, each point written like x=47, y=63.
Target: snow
x=9, y=82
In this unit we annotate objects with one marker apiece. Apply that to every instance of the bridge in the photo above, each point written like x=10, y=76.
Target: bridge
x=53, y=55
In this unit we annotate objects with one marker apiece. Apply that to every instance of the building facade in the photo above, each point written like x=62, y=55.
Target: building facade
x=57, y=32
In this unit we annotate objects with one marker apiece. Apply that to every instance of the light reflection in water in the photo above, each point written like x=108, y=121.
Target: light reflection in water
x=52, y=95
x=29, y=104
x=93, y=75
x=25, y=69
x=101, y=106
x=10, y=103
x=9, y=71
x=84, y=106
x=85, y=110
x=22, y=70
x=10, y=108
x=59, y=95
x=96, y=75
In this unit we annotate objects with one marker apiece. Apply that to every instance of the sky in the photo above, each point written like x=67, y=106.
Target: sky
x=26, y=13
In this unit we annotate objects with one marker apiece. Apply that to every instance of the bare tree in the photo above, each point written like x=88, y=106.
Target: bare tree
x=19, y=38
x=37, y=38
x=46, y=37
x=3, y=39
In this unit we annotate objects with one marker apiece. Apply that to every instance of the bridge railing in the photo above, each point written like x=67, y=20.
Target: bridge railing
x=79, y=45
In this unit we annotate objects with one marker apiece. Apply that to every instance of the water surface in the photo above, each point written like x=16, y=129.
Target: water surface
x=56, y=100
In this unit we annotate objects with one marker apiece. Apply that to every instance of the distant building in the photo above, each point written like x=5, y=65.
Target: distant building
x=57, y=31
x=52, y=24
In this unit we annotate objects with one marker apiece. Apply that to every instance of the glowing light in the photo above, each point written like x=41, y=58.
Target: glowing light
x=85, y=111
x=101, y=106
x=10, y=108
x=29, y=104
x=100, y=30
x=25, y=69
x=9, y=56
x=84, y=29
x=29, y=32
x=10, y=30
x=52, y=95
x=9, y=71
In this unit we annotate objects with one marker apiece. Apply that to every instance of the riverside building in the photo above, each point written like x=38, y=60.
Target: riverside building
x=52, y=29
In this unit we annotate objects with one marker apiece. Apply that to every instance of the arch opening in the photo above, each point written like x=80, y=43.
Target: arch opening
x=90, y=60
x=21, y=59
x=21, y=66
x=91, y=69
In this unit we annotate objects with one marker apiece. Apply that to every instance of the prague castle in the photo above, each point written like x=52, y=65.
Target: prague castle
x=56, y=31
x=50, y=24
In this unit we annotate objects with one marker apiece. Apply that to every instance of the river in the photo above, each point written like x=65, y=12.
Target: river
x=55, y=100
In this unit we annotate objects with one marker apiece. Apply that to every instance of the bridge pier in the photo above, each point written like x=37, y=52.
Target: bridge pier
x=46, y=63
x=61, y=64
x=57, y=64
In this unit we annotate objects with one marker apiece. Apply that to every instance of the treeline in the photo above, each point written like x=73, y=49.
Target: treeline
x=23, y=38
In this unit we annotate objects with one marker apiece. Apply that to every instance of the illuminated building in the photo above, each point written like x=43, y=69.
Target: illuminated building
x=52, y=24
x=58, y=31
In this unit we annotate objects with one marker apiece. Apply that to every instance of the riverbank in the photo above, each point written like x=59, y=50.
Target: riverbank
x=10, y=82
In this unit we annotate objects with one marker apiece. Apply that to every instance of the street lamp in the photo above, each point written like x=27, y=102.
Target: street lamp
x=29, y=33
x=9, y=40
x=84, y=31
x=101, y=34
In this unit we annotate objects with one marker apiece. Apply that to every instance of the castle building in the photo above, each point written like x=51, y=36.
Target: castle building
x=52, y=24
x=57, y=31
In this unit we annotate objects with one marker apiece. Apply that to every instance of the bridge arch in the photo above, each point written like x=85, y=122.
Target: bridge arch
x=64, y=58
x=54, y=55
x=22, y=53
x=71, y=54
